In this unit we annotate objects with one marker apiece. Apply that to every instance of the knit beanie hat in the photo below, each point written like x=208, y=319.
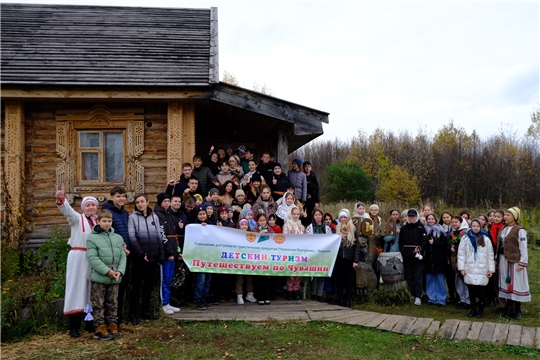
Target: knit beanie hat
x=239, y=192
x=516, y=213
x=161, y=197
x=297, y=162
x=88, y=199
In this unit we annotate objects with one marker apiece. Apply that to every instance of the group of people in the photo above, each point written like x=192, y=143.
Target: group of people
x=472, y=262
x=111, y=249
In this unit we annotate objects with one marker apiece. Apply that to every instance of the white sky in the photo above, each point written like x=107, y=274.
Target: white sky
x=392, y=65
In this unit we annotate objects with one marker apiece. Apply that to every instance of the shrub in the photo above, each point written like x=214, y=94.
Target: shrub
x=28, y=290
x=346, y=180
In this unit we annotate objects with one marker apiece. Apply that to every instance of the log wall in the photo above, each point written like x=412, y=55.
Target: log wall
x=42, y=159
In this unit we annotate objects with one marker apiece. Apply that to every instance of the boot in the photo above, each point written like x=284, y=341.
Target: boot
x=289, y=295
x=517, y=310
x=480, y=313
x=295, y=295
x=89, y=326
x=74, y=325
x=102, y=333
x=113, y=329
x=473, y=312
x=509, y=309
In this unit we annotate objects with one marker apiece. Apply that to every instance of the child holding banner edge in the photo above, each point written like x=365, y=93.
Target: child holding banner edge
x=317, y=227
x=293, y=225
x=244, y=226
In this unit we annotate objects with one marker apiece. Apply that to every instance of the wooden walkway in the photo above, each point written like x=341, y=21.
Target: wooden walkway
x=452, y=329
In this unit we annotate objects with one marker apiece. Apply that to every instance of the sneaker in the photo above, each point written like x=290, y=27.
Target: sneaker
x=199, y=305
x=239, y=300
x=74, y=333
x=208, y=305
x=266, y=302
x=102, y=333
x=174, y=309
x=113, y=330
x=250, y=297
x=417, y=301
x=167, y=310
x=261, y=302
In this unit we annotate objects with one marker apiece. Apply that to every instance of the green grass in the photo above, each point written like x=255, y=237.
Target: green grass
x=168, y=339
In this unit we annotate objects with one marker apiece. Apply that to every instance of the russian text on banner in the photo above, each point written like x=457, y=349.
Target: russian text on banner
x=216, y=249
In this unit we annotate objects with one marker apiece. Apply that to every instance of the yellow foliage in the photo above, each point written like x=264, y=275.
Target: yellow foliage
x=399, y=186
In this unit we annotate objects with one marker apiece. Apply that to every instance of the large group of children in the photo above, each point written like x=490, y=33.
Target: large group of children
x=455, y=259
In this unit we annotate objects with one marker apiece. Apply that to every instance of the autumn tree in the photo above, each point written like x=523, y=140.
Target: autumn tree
x=399, y=186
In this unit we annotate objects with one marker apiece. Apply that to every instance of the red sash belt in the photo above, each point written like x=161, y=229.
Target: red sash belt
x=78, y=248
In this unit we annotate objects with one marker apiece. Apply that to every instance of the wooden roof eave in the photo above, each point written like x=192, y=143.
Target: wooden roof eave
x=306, y=122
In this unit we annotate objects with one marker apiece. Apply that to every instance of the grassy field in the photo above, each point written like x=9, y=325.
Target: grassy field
x=167, y=339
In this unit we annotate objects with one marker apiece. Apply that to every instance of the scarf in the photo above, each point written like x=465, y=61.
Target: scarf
x=295, y=225
x=436, y=230
x=473, y=237
x=284, y=210
x=495, y=230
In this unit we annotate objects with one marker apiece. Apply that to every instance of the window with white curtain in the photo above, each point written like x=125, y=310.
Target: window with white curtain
x=101, y=157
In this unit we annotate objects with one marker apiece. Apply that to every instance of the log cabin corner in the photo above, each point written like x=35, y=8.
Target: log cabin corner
x=94, y=97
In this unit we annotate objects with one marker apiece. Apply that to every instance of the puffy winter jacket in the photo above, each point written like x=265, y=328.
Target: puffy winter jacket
x=146, y=235
x=298, y=179
x=105, y=252
x=206, y=179
x=120, y=220
x=477, y=265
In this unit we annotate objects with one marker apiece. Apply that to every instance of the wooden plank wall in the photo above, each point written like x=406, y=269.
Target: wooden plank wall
x=41, y=161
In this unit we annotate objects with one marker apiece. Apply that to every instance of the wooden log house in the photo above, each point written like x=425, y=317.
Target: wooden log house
x=94, y=97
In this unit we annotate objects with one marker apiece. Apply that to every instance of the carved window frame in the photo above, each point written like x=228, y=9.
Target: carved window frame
x=99, y=117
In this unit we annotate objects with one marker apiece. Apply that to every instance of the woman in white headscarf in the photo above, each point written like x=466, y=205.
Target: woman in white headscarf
x=76, y=300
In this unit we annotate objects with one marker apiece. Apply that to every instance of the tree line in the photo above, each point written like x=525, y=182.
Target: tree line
x=452, y=165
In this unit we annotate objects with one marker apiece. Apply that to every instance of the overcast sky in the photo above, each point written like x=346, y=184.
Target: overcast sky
x=392, y=65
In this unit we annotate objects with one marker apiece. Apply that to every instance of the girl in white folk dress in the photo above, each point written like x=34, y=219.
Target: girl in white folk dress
x=76, y=300
x=513, y=260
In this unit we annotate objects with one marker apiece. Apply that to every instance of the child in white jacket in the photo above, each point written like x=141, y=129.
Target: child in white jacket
x=477, y=265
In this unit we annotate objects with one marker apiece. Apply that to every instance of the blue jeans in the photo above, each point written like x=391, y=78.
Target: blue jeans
x=436, y=288
x=202, y=285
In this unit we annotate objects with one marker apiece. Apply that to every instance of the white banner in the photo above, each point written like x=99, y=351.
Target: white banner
x=217, y=249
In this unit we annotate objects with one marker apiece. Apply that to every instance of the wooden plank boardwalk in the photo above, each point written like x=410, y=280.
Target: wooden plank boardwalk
x=452, y=329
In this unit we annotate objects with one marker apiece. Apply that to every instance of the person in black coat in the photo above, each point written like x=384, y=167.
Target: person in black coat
x=435, y=261
x=280, y=182
x=170, y=244
x=412, y=242
x=312, y=199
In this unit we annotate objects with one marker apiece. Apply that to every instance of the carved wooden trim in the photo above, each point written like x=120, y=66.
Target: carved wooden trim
x=138, y=144
x=99, y=117
x=175, y=131
x=189, y=131
x=14, y=161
